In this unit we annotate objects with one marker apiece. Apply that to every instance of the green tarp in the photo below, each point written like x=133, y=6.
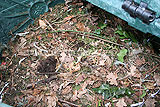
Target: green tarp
x=115, y=7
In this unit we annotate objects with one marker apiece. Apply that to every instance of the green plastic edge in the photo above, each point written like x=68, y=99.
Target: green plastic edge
x=115, y=7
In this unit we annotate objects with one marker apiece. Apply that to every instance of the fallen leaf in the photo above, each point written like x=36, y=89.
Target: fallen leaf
x=74, y=97
x=36, y=92
x=66, y=58
x=112, y=79
x=74, y=67
x=140, y=61
x=63, y=54
x=68, y=18
x=136, y=51
x=42, y=24
x=80, y=78
x=81, y=92
x=80, y=26
x=51, y=100
x=157, y=79
x=121, y=103
x=67, y=90
x=150, y=102
x=89, y=97
x=149, y=85
x=122, y=54
x=134, y=72
x=39, y=37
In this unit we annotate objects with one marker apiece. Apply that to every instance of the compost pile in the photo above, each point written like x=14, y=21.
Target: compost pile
x=78, y=55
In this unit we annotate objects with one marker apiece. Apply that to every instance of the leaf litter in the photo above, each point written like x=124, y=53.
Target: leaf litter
x=69, y=57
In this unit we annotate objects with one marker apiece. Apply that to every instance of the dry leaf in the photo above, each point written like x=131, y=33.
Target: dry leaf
x=112, y=78
x=105, y=60
x=150, y=102
x=134, y=72
x=89, y=97
x=74, y=97
x=149, y=85
x=80, y=78
x=74, y=67
x=42, y=24
x=51, y=100
x=68, y=18
x=81, y=92
x=121, y=103
x=66, y=58
x=63, y=54
x=36, y=92
x=67, y=90
x=80, y=26
x=157, y=79
x=139, y=61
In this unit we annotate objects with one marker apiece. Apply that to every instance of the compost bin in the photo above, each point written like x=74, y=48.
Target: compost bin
x=16, y=15
x=142, y=15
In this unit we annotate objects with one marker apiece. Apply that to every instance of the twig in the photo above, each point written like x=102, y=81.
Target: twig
x=1, y=93
x=95, y=36
x=151, y=70
x=69, y=103
x=42, y=81
x=39, y=48
x=59, y=67
x=49, y=25
x=22, y=60
x=48, y=73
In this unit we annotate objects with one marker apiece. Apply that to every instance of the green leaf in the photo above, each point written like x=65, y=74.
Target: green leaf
x=98, y=31
x=77, y=87
x=110, y=92
x=99, y=103
x=125, y=34
x=143, y=94
x=102, y=25
x=119, y=27
x=121, y=55
x=120, y=32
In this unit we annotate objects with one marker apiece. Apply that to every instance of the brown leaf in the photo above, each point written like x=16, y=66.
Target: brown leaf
x=51, y=100
x=89, y=97
x=36, y=92
x=74, y=97
x=66, y=58
x=80, y=26
x=67, y=90
x=150, y=102
x=80, y=78
x=112, y=78
x=121, y=103
x=149, y=85
x=74, y=67
x=68, y=18
x=42, y=24
x=139, y=61
x=81, y=92
x=134, y=72
x=157, y=79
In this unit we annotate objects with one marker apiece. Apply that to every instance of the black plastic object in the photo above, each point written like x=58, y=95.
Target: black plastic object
x=16, y=15
x=140, y=11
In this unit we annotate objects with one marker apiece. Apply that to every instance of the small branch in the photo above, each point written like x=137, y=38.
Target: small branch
x=42, y=81
x=151, y=70
x=59, y=67
x=43, y=50
x=49, y=25
x=95, y=36
x=69, y=103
